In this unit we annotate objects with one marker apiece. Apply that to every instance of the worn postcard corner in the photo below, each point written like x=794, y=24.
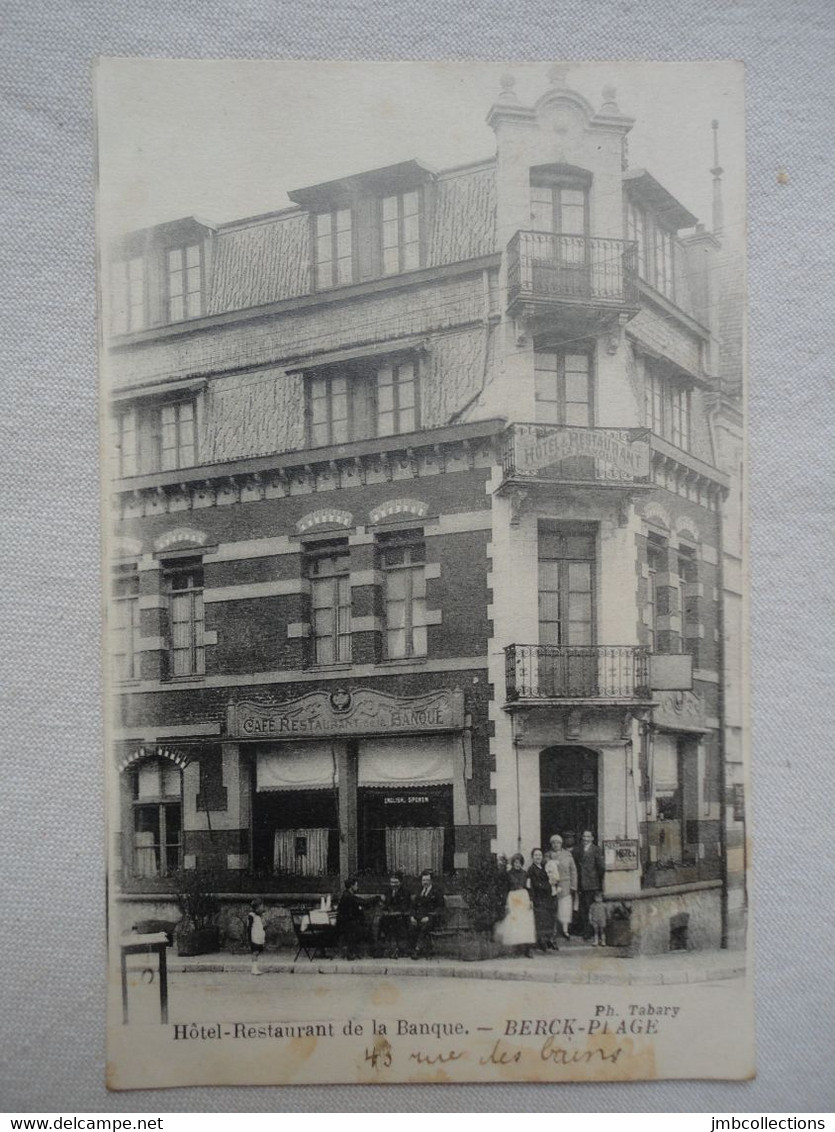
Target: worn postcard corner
x=426, y=552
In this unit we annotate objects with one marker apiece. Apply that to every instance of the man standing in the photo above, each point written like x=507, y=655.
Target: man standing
x=589, y=861
x=350, y=920
x=427, y=909
x=562, y=872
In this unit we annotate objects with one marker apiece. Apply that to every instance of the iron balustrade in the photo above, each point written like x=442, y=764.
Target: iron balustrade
x=544, y=266
x=592, y=672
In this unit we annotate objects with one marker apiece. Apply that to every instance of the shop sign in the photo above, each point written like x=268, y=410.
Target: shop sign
x=361, y=711
x=406, y=800
x=617, y=455
x=620, y=855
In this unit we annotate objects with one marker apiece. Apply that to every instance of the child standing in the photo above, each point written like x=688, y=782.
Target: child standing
x=597, y=920
x=256, y=933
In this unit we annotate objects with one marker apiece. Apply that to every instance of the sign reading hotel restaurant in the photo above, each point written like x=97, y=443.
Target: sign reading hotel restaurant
x=361, y=711
x=617, y=455
x=620, y=855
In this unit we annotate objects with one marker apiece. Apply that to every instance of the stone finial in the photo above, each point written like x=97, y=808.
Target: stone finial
x=557, y=74
x=508, y=85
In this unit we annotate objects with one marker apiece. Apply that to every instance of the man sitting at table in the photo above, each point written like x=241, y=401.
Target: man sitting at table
x=394, y=917
x=427, y=911
x=350, y=920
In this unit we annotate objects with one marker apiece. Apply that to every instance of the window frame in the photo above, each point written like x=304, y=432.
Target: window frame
x=126, y=573
x=148, y=437
x=668, y=408
x=333, y=235
x=123, y=293
x=402, y=244
x=413, y=545
x=362, y=394
x=340, y=638
x=564, y=560
x=557, y=183
x=561, y=400
x=157, y=804
x=182, y=249
x=196, y=648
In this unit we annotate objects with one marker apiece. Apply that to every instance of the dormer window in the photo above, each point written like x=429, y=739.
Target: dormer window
x=333, y=248
x=401, y=232
x=155, y=437
x=184, y=267
x=129, y=308
x=362, y=399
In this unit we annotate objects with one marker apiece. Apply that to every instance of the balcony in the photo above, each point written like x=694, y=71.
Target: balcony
x=613, y=673
x=570, y=454
x=546, y=269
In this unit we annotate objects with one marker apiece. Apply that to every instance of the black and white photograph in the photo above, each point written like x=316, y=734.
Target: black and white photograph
x=423, y=412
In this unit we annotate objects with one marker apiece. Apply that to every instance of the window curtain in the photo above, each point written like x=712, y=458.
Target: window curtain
x=313, y=863
x=146, y=856
x=411, y=851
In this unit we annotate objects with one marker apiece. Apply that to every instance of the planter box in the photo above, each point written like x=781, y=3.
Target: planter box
x=198, y=941
x=619, y=933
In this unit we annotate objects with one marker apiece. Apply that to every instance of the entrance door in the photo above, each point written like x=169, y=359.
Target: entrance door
x=568, y=792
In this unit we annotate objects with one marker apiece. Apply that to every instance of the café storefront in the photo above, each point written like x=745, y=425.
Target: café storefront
x=354, y=781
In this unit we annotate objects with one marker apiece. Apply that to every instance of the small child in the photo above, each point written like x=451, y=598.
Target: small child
x=597, y=920
x=256, y=933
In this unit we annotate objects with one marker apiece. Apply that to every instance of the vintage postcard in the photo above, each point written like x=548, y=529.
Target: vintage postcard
x=423, y=430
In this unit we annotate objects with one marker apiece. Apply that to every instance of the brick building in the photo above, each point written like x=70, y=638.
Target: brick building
x=419, y=489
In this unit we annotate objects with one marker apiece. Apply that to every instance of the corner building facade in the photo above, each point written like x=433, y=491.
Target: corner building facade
x=418, y=551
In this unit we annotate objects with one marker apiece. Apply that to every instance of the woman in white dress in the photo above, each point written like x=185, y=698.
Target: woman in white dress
x=517, y=930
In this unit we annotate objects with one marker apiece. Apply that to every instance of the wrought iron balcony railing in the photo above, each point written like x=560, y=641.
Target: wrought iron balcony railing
x=576, y=672
x=591, y=455
x=546, y=267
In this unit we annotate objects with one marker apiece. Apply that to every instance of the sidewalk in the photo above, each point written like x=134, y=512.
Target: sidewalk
x=574, y=963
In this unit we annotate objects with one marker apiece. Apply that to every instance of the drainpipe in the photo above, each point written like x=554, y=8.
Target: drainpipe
x=723, y=785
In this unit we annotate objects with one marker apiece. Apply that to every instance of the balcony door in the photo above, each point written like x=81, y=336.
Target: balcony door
x=560, y=213
x=567, y=657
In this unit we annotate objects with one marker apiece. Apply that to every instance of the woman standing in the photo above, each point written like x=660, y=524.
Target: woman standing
x=517, y=930
x=539, y=886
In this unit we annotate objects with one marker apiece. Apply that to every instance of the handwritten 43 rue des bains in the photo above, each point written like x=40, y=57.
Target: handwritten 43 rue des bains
x=558, y=1040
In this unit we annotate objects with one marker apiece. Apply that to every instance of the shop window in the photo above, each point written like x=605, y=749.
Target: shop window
x=157, y=818
x=405, y=830
x=400, y=215
x=328, y=567
x=362, y=400
x=128, y=294
x=184, y=278
x=402, y=558
x=184, y=590
x=333, y=245
x=125, y=647
x=295, y=833
x=563, y=387
x=155, y=438
x=668, y=408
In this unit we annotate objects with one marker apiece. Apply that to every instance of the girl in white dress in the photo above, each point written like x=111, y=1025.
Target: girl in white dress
x=517, y=930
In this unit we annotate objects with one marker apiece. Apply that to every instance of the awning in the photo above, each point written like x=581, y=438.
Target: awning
x=296, y=766
x=423, y=761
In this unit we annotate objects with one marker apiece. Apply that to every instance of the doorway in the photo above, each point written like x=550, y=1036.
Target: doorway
x=568, y=793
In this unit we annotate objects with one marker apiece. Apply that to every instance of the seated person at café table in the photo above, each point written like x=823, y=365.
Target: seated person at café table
x=392, y=929
x=427, y=910
x=350, y=920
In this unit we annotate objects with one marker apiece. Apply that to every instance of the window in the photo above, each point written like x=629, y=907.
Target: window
x=667, y=834
x=668, y=408
x=635, y=232
x=560, y=209
x=126, y=623
x=401, y=232
x=155, y=438
x=128, y=295
x=567, y=665
x=402, y=559
x=185, y=283
x=563, y=389
x=157, y=818
x=362, y=400
x=330, y=601
x=688, y=575
x=333, y=248
x=186, y=651
x=656, y=249
x=656, y=565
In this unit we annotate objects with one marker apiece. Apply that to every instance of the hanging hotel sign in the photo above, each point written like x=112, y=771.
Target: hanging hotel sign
x=617, y=453
x=360, y=711
x=620, y=855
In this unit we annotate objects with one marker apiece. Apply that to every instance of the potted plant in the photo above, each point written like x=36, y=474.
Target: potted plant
x=197, y=932
x=485, y=892
x=619, y=927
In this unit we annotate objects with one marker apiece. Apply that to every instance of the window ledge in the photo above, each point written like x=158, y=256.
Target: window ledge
x=401, y=661
x=168, y=681
x=341, y=666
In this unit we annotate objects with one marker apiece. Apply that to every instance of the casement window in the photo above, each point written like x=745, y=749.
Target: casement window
x=656, y=565
x=333, y=249
x=155, y=438
x=156, y=802
x=566, y=586
x=362, y=400
x=563, y=388
x=184, y=592
x=400, y=215
x=129, y=306
x=330, y=603
x=559, y=209
x=402, y=560
x=184, y=276
x=688, y=575
x=125, y=633
x=656, y=249
x=668, y=408
x=667, y=775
